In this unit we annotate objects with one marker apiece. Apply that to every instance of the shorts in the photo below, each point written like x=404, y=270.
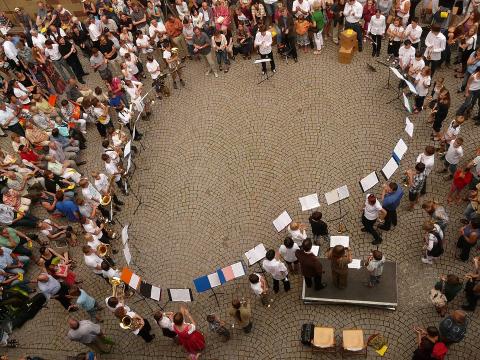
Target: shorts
x=413, y=196
x=451, y=167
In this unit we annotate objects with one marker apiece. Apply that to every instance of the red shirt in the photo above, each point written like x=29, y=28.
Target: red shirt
x=460, y=179
x=29, y=156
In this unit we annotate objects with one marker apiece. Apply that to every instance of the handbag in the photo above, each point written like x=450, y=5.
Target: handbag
x=437, y=298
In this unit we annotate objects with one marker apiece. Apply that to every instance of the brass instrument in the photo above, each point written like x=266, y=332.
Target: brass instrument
x=174, y=50
x=131, y=323
x=103, y=250
x=118, y=288
x=105, y=200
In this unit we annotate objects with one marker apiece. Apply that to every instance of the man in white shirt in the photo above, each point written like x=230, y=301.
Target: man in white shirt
x=435, y=43
x=287, y=250
x=260, y=288
x=277, y=269
x=263, y=41
x=353, y=12
x=52, y=52
x=452, y=157
x=371, y=212
x=38, y=39
x=413, y=32
x=9, y=120
x=157, y=31
x=301, y=7
x=10, y=51
x=376, y=28
x=406, y=54
x=92, y=260
x=94, y=32
x=112, y=169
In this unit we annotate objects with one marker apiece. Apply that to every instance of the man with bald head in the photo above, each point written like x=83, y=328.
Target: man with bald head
x=454, y=327
x=88, y=334
x=53, y=289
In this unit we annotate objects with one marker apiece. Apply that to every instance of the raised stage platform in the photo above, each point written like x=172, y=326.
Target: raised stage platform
x=384, y=295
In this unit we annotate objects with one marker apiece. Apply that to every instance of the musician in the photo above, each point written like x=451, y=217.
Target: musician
x=112, y=152
x=376, y=28
x=353, y=12
x=124, y=116
x=413, y=32
x=417, y=65
x=435, y=43
x=406, y=54
x=108, y=271
x=140, y=326
x=395, y=35
x=92, y=260
x=117, y=137
x=173, y=62
x=97, y=232
x=113, y=169
x=113, y=303
x=263, y=41
x=102, y=184
x=134, y=90
x=422, y=83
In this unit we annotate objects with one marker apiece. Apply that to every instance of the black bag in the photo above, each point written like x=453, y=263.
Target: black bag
x=29, y=311
x=437, y=249
x=307, y=333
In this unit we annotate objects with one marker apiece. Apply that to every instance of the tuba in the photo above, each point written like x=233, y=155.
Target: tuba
x=118, y=288
x=131, y=323
x=102, y=250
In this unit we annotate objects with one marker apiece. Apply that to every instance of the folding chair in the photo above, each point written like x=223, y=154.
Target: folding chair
x=353, y=343
x=324, y=339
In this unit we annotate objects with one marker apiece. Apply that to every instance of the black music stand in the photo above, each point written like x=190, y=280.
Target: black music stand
x=265, y=76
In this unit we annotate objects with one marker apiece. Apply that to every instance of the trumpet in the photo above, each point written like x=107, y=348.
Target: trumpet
x=131, y=323
x=103, y=250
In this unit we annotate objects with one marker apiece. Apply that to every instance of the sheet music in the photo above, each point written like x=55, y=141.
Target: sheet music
x=400, y=149
x=134, y=281
x=411, y=87
x=339, y=240
x=238, y=269
x=259, y=61
x=369, y=181
x=256, y=254
x=127, y=149
x=125, y=234
x=127, y=254
x=332, y=197
x=408, y=127
x=282, y=221
x=129, y=163
x=180, y=295
x=343, y=192
x=355, y=264
x=406, y=103
x=309, y=202
x=390, y=168
x=155, y=295
x=397, y=73
x=315, y=250
x=214, y=280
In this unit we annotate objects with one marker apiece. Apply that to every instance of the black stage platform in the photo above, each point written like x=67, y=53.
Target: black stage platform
x=384, y=295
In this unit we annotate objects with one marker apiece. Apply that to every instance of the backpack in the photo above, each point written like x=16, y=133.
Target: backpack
x=437, y=249
x=439, y=351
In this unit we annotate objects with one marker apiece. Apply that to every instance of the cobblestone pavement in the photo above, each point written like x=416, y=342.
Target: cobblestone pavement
x=224, y=157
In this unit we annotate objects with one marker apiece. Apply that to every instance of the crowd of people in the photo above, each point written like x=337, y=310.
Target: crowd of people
x=47, y=109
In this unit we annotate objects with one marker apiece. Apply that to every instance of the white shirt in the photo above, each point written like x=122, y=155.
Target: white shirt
x=406, y=56
x=264, y=42
x=144, y=41
x=92, y=261
x=21, y=92
x=10, y=51
x=90, y=193
x=417, y=65
x=102, y=183
x=152, y=30
x=353, y=13
x=53, y=53
x=276, y=268
x=377, y=26
x=451, y=132
x=413, y=34
x=111, y=168
x=371, y=211
x=153, y=68
x=125, y=115
x=127, y=308
x=257, y=288
x=50, y=287
x=165, y=322
x=289, y=254
x=423, y=84
x=182, y=10
x=94, y=32
x=397, y=30
x=428, y=161
x=6, y=114
x=110, y=273
x=39, y=41
x=297, y=235
x=432, y=239
x=132, y=315
x=305, y=6
x=435, y=45
x=454, y=154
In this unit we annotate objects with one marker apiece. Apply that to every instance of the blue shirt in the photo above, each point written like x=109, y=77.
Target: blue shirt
x=85, y=301
x=392, y=200
x=474, y=67
x=68, y=208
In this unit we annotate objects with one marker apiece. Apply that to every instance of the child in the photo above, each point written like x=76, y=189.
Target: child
x=260, y=288
x=374, y=266
x=164, y=320
x=452, y=157
x=395, y=34
x=406, y=54
x=217, y=325
x=417, y=65
x=287, y=250
x=422, y=83
x=301, y=28
x=461, y=178
x=319, y=227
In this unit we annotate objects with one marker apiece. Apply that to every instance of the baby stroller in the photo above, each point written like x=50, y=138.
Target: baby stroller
x=285, y=49
x=160, y=86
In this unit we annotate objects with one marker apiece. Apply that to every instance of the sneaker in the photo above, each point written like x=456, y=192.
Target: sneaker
x=264, y=73
x=216, y=74
x=274, y=71
x=208, y=72
x=426, y=261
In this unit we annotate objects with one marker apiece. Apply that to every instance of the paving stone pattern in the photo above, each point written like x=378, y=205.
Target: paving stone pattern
x=224, y=157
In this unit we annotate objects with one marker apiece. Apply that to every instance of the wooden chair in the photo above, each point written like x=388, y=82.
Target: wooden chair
x=353, y=343
x=324, y=339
